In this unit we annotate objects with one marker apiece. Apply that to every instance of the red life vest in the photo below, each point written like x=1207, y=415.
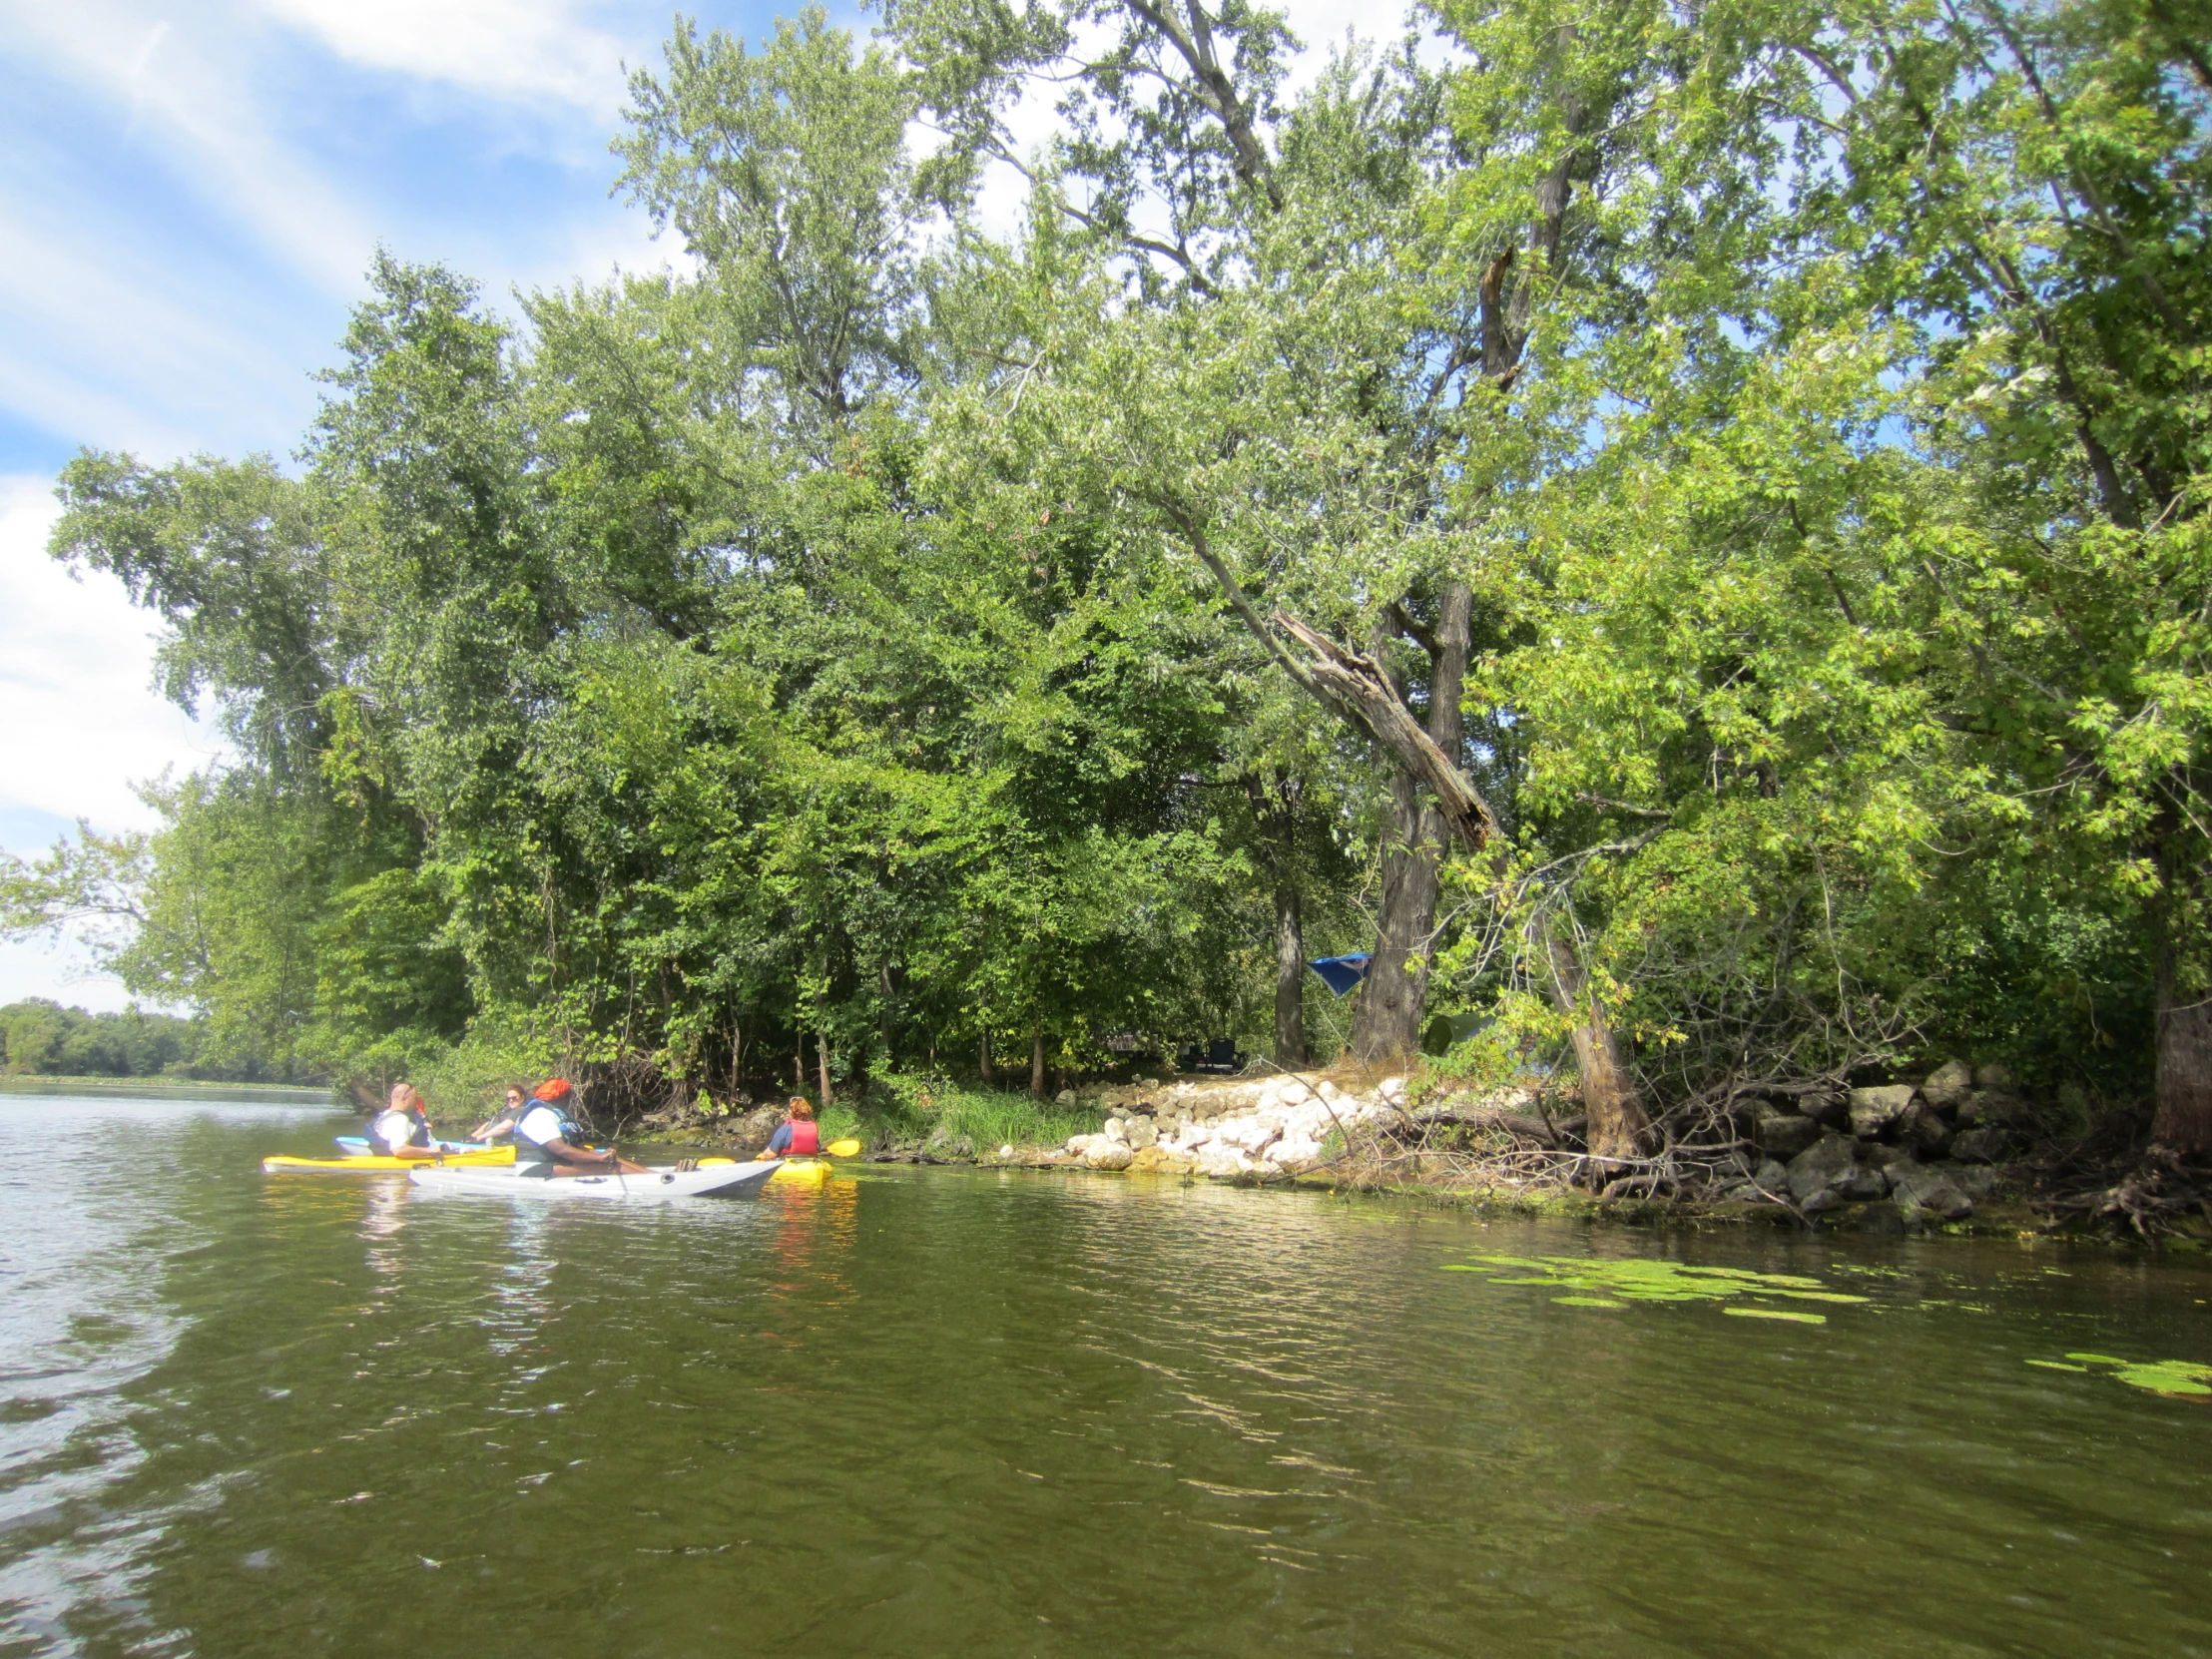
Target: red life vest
x=805, y=1138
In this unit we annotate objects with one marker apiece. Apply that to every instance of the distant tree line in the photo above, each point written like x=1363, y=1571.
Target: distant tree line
x=1681, y=530
x=42, y=1039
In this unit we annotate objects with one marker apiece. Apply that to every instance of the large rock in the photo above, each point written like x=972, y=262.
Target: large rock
x=1993, y=1076
x=1947, y=1086
x=1925, y=1194
x=1993, y=1108
x=1830, y=1107
x=1877, y=1112
x=1784, y=1135
x=1116, y=1131
x=1982, y=1146
x=1863, y=1183
x=1823, y=1167
x=1874, y=1217
x=1926, y=1133
x=1113, y=1155
x=1771, y=1176
x=1976, y=1181
x=1251, y=1134
x=1294, y=1157
x=1221, y=1162
x=1141, y=1133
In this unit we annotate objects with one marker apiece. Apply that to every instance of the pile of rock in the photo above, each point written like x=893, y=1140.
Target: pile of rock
x=1263, y=1130
x=1925, y=1148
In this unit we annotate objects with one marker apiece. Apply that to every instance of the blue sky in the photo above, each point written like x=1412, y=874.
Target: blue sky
x=189, y=195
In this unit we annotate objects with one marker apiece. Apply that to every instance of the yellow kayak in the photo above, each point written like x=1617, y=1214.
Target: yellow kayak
x=793, y=1172
x=370, y=1164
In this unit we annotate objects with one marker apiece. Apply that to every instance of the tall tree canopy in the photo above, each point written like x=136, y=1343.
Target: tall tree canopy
x=1679, y=527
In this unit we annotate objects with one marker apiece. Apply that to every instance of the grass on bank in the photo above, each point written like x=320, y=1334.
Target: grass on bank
x=955, y=1120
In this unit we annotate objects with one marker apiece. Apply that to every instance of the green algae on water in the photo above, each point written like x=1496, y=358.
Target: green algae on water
x=1597, y=1283
x=2158, y=1376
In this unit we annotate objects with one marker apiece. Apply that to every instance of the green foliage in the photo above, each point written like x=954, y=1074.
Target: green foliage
x=41, y=1038
x=869, y=636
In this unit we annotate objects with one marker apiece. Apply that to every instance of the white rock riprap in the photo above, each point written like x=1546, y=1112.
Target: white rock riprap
x=1263, y=1130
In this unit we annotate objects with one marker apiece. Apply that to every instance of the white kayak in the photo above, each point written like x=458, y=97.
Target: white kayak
x=717, y=1180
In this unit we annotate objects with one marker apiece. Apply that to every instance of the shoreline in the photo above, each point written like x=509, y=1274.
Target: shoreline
x=162, y=1088
x=1953, y=1155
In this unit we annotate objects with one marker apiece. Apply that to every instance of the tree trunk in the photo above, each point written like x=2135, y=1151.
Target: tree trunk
x=822, y=1054
x=1037, y=1064
x=983, y=1057
x=1616, y=1122
x=1290, y=978
x=1386, y=1027
x=1386, y=1022
x=2184, y=1119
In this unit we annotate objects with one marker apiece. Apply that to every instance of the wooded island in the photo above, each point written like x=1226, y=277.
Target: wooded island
x=1680, y=530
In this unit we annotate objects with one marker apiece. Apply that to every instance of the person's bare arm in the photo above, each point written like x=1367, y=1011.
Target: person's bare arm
x=581, y=1156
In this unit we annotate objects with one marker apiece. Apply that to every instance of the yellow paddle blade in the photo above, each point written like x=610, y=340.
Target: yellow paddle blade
x=710, y=1163
x=843, y=1149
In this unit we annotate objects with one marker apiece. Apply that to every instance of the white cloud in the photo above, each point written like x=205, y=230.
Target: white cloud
x=76, y=669
x=63, y=972
x=523, y=50
x=103, y=345
x=81, y=722
x=189, y=85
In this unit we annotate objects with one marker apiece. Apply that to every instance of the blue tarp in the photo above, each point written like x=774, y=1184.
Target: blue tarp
x=1340, y=973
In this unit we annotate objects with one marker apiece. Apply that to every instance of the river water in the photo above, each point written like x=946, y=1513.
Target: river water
x=956, y=1412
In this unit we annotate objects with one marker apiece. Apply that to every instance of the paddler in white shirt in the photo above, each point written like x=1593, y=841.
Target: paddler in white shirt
x=402, y=1128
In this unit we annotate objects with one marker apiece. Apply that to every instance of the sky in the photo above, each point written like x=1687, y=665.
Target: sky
x=189, y=193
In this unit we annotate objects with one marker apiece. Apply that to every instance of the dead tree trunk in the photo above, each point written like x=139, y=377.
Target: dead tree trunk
x=983, y=1058
x=1617, y=1125
x=821, y=1055
x=1037, y=1064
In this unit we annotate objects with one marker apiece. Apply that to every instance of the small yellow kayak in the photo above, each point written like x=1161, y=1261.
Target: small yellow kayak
x=793, y=1172
x=371, y=1164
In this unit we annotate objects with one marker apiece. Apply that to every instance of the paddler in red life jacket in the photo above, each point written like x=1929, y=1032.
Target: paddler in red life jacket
x=549, y=1142
x=798, y=1136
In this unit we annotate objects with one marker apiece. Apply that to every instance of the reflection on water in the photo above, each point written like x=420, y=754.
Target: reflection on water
x=923, y=1412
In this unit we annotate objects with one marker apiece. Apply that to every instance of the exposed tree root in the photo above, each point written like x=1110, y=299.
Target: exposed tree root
x=2149, y=1192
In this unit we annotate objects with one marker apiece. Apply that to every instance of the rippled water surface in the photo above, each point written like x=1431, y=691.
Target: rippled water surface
x=944, y=1412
